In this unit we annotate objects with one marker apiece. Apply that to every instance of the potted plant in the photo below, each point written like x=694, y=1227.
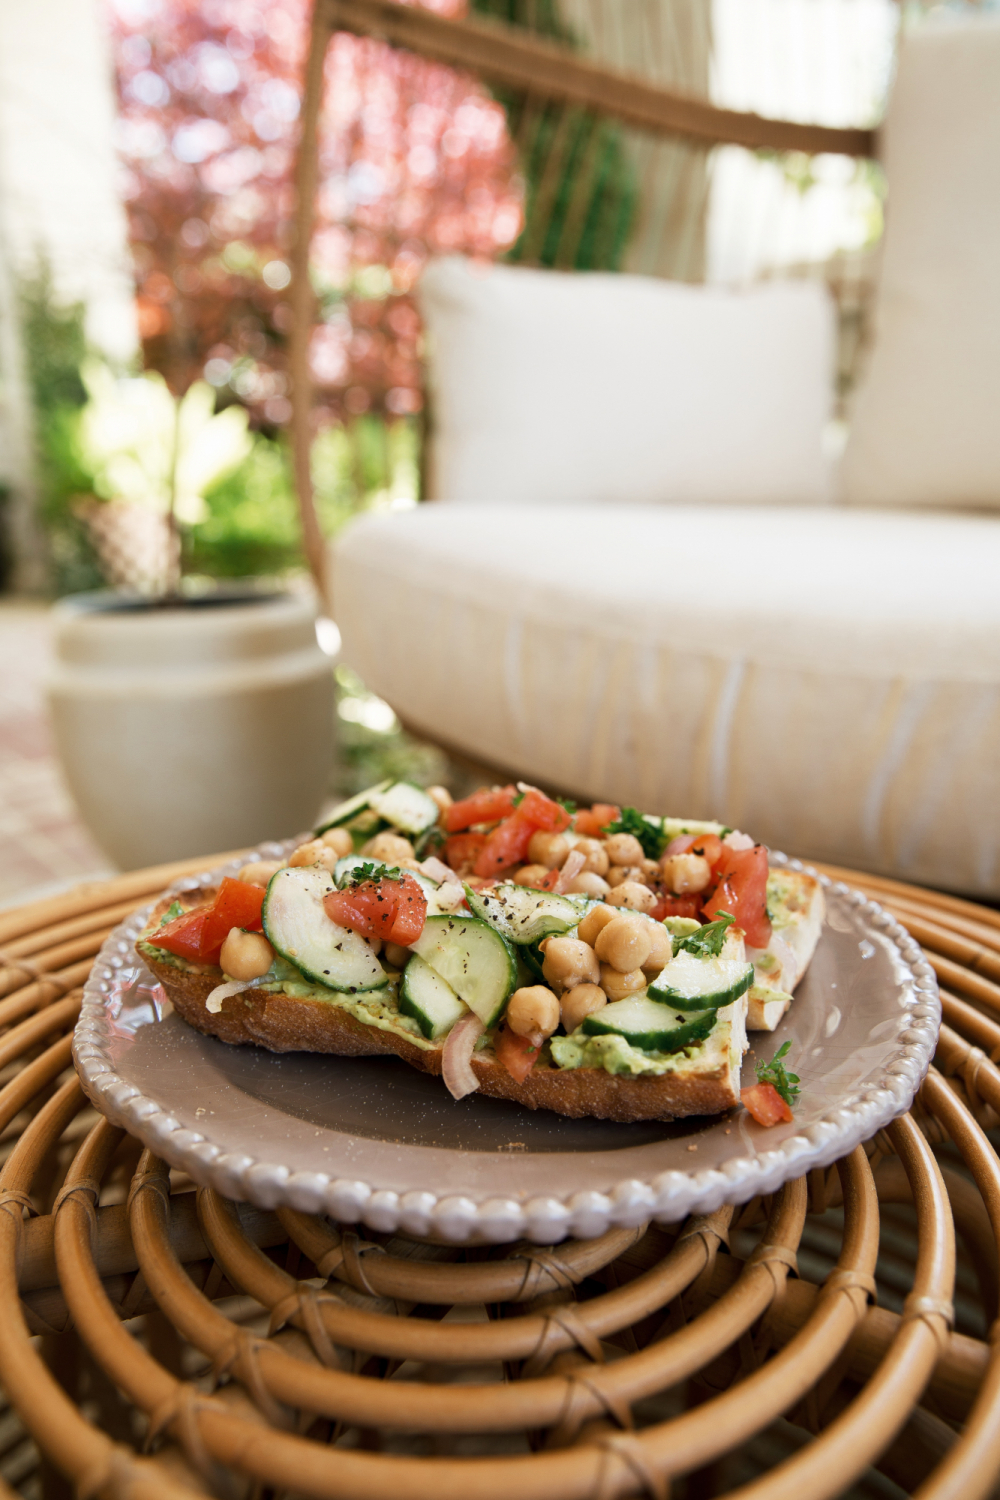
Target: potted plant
x=188, y=720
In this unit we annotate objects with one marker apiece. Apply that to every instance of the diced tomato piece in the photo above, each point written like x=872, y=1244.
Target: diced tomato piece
x=517, y=1054
x=675, y=906
x=393, y=910
x=463, y=849
x=484, y=806
x=237, y=904
x=411, y=912
x=763, y=1101
x=742, y=891
x=548, y=882
x=507, y=845
x=542, y=812
x=709, y=846
x=590, y=822
x=182, y=936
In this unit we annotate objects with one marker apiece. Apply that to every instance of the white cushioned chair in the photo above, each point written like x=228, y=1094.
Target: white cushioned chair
x=639, y=583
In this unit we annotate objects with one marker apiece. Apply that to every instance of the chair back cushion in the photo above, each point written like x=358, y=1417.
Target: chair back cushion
x=926, y=427
x=600, y=387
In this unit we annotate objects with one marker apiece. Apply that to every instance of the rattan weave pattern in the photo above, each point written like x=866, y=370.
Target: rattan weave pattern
x=157, y=1341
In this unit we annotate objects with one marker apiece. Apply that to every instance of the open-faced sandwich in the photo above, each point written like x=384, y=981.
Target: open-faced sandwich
x=592, y=962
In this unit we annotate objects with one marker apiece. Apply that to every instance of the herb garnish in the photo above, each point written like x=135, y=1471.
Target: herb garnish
x=567, y=804
x=773, y=1072
x=707, y=942
x=651, y=837
x=173, y=911
x=370, y=870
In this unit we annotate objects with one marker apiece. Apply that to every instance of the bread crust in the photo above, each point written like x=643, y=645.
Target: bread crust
x=283, y=1024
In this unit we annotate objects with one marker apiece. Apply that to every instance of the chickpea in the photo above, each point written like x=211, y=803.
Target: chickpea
x=624, y=943
x=339, y=840
x=633, y=895
x=662, y=950
x=569, y=962
x=548, y=849
x=245, y=955
x=624, y=849
x=533, y=1012
x=619, y=986
x=596, y=855
x=260, y=871
x=388, y=848
x=618, y=874
x=650, y=870
x=594, y=922
x=440, y=795
x=315, y=852
x=589, y=884
x=530, y=875
x=581, y=1001
x=396, y=956
x=686, y=873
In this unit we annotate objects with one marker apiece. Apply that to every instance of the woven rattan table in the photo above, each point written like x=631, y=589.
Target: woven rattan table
x=157, y=1341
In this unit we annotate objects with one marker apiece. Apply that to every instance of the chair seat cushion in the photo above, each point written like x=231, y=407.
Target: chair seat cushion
x=827, y=679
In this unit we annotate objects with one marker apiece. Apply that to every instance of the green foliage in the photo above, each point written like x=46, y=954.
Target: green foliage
x=252, y=525
x=581, y=186
x=55, y=347
x=372, y=745
x=652, y=839
x=773, y=1072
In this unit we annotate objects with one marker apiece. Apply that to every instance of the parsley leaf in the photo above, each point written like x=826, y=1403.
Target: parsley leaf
x=773, y=1072
x=652, y=839
x=568, y=804
x=370, y=870
x=175, y=909
x=708, y=940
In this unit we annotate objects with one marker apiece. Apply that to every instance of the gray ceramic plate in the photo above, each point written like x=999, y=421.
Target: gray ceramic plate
x=373, y=1140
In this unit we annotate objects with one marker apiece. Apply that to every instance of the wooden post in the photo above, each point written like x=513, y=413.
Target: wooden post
x=301, y=294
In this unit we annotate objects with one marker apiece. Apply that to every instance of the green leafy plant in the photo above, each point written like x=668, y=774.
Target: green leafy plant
x=774, y=1072
x=143, y=446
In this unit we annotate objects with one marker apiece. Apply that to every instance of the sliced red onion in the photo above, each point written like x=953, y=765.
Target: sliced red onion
x=575, y=861
x=436, y=869
x=456, y=1059
x=737, y=840
x=223, y=992
x=680, y=845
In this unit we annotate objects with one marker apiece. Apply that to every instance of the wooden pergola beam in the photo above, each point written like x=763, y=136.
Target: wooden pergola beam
x=517, y=59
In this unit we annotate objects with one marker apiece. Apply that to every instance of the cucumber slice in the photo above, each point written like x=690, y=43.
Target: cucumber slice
x=349, y=809
x=674, y=827
x=692, y=983
x=431, y=1002
x=405, y=806
x=474, y=959
x=300, y=930
x=523, y=915
x=647, y=1024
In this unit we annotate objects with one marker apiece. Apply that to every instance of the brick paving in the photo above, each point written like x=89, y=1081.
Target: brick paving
x=43, y=844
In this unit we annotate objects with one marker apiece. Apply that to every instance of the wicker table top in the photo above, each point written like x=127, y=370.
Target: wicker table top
x=157, y=1341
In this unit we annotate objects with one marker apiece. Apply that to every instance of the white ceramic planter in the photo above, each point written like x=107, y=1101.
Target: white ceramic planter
x=191, y=728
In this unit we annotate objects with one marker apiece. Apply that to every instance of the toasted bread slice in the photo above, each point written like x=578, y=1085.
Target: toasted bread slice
x=706, y=1084
x=798, y=907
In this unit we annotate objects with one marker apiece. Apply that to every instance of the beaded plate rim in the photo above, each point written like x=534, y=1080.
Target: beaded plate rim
x=458, y=1218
